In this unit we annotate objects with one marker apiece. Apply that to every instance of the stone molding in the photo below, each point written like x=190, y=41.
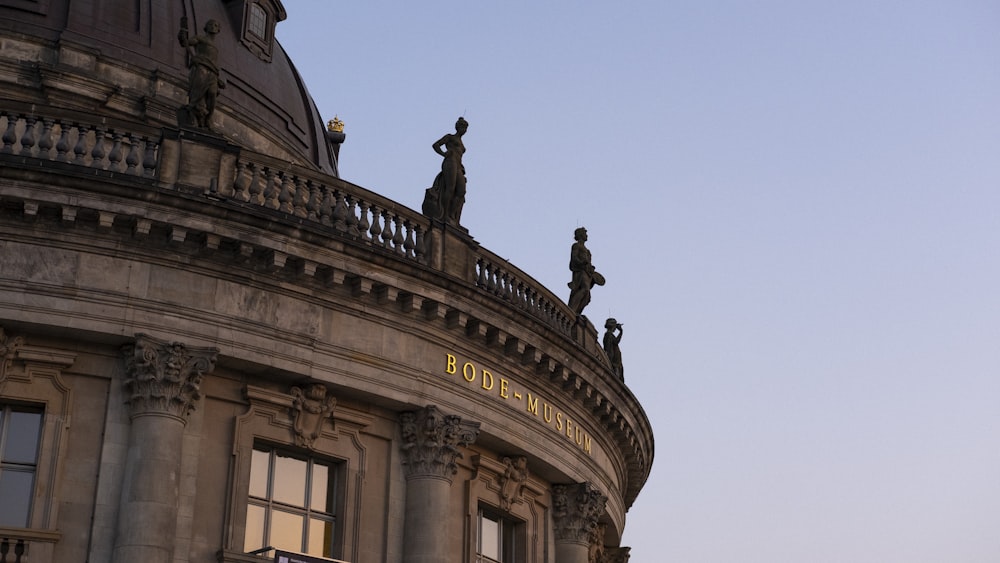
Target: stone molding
x=575, y=510
x=431, y=442
x=164, y=377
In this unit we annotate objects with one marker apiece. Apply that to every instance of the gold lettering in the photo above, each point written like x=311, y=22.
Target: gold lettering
x=586, y=443
x=547, y=412
x=568, y=432
x=487, y=376
x=503, y=388
x=559, y=423
x=532, y=404
x=452, y=365
x=465, y=372
x=579, y=437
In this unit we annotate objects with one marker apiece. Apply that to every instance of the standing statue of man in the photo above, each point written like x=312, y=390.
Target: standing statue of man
x=584, y=275
x=445, y=199
x=611, y=348
x=203, y=80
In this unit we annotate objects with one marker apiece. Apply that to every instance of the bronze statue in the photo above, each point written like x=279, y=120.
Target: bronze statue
x=203, y=80
x=584, y=275
x=611, y=342
x=444, y=200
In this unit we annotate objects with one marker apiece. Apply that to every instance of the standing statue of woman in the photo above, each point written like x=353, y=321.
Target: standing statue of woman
x=444, y=200
x=584, y=274
x=203, y=79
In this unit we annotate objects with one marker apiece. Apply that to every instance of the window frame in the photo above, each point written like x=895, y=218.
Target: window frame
x=510, y=541
x=7, y=408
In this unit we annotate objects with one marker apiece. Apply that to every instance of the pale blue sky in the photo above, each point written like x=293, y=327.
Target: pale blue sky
x=796, y=205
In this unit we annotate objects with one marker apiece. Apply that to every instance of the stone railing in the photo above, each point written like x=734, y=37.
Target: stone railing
x=498, y=277
x=352, y=211
x=72, y=141
x=12, y=550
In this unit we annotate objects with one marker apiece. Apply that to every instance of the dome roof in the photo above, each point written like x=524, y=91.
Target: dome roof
x=125, y=59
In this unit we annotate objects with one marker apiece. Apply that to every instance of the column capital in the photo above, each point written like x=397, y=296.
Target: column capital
x=431, y=441
x=616, y=555
x=164, y=377
x=575, y=511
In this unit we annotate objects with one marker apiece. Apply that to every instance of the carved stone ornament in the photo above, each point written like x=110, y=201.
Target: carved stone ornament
x=310, y=407
x=575, y=510
x=597, y=551
x=164, y=377
x=616, y=555
x=431, y=442
x=515, y=473
x=8, y=346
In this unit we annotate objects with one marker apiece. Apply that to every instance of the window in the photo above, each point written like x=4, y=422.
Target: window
x=291, y=503
x=20, y=430
x=257, y=23
x=501, y=540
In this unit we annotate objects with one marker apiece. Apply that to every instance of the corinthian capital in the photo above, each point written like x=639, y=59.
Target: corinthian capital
x=431, y=441
x=616, y=554
x=575, y=510
x=164, y=377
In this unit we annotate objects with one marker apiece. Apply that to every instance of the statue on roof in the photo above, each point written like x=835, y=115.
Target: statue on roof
x=584, y=275
x=444, y=200
x=203, y=79
x=611, y=348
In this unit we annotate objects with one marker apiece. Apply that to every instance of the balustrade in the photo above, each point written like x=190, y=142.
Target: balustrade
x=97, y=147
x=12, y=550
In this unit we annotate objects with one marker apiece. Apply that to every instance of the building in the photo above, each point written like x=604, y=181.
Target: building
x=215, y=350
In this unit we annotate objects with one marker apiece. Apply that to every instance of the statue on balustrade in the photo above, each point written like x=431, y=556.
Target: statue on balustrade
x=203, y=80
x=444, y=200
x=585, y=276
x=611, y=342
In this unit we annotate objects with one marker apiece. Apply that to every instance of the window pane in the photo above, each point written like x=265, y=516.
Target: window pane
x=320, y=538
x=22, y=430
x=286, y=531
x=254, y=538
x=489, y=533
x=258, y=474
x=289, y=483
x=319, y=500
x=15, y=497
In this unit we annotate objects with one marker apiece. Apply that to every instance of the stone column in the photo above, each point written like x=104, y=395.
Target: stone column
x=161, y=390
x=430, y=446
x=575, y=511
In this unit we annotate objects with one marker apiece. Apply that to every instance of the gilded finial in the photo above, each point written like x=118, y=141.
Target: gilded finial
x=335, y=125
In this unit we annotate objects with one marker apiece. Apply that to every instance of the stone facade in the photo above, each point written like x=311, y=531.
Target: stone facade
x=197, y=319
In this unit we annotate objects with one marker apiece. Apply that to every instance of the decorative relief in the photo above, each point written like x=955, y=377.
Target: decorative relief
x=431, y=441
x=575, y=510
x=164, y=377
x=515, y=473
x=310, y=407
x=597, y=550
x=8, y=347
x=616, y=555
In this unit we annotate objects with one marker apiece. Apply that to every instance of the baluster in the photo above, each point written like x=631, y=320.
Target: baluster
x=18, y=551
x=256, y=189
x=375, y=230
x=271, y=190
x=480, y=273
x=9, y=136
x=352, y=219
x=285, y=195
x=80, y=150
x=397, y=237
x=363, y=223
x=300, y=200
x=132, y=160
x=149, y=159
x=28, y=138
x=420, y=251
x=4, y=549
x=97, y=153
x=339, y=212
x=315, y=201
x=326, y=209
x=45, y=142
x=491, y=284
x=409, y=243
x=241, y=182
x=386, y=229
x=62, y=146
x=115, y=156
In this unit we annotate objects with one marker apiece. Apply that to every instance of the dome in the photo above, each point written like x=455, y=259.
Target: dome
x=122, y=59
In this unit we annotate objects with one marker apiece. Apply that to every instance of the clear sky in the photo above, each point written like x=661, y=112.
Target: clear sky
x=796, y=205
